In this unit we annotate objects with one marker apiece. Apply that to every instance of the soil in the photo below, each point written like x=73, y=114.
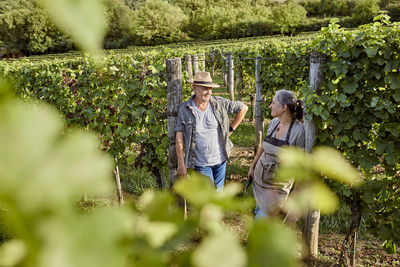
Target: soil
x=368, y=252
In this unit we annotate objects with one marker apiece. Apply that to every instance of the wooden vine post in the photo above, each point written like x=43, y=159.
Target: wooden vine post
x=257, y=109
x=213, y=63
x=118, y=184
x=223, y=69
x=240, y=82
x=226, y=72
x=203, y=62
x=230, y=80
x=174, y=98
x=195, y=64
x=311, y=221
x=188, y=66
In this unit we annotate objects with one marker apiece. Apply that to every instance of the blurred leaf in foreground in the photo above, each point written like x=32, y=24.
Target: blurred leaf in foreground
x=12, y=253
x=326, y=161
x=307, y=169
x=199, y=192
x=331, y=163
x=40, y=167
x=43, y=173
x=83, y=20
x=271, y=243
x=221, y=249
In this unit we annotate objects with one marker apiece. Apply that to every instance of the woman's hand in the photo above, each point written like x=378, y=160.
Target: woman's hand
x=251, y=172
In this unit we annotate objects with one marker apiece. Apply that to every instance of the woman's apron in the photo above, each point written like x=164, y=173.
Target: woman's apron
x=268, y=193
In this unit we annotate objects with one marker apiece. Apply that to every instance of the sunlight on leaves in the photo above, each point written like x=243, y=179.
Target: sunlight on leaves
x=307, y=169
x=43, y=173
x=221, y=249
x=33, y=147
x=316, y=196
x=156, y=232
x=12, y=252
x=271, y=243
x=89, y=240
x=211, y=218
x=196, y=188
x=294, y=163
x=160, y=206
x=331, y=163
x=199, y=191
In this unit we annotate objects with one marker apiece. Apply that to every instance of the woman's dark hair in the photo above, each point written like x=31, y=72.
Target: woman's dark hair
x=286, y=97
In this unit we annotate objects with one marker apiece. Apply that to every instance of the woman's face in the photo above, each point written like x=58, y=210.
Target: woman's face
x=276, y=108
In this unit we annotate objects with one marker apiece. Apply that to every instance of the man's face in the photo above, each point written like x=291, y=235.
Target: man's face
x=202, y=93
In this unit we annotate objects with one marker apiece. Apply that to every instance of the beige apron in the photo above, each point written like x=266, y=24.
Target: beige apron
x=268, y=193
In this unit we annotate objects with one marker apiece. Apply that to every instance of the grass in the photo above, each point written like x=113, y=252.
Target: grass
x=136, y=180
x=245, y=134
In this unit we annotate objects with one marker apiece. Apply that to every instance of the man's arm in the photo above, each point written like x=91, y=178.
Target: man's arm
x=239, y=117
x=180, y=152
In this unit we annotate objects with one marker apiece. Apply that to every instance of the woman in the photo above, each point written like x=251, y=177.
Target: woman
x=284, y=130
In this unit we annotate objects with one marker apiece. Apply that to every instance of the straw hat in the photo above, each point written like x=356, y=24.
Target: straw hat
x=203, y=78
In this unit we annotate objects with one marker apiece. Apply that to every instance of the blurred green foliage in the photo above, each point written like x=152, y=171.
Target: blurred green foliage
x=307, y=170
x=71, y=15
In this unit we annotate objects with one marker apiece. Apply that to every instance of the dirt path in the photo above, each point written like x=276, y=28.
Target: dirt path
x=241, y=158
x=368, y=252
x=243, y=155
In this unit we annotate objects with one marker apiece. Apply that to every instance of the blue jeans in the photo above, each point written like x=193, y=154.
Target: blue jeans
x=216, y=173
x=259, y=213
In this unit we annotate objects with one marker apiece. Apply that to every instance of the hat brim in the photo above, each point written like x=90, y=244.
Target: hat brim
x=213, y=85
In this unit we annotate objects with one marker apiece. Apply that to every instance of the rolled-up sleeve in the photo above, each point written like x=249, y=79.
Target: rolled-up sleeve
x=233, y=106
x=179, y=122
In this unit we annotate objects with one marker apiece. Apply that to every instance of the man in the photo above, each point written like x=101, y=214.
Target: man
x=203, y=130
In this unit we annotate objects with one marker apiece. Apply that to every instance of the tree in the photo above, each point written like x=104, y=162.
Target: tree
x=24, y=27
x=365, y=10
x=156, y=22
x=120, y=26
x=287, y=16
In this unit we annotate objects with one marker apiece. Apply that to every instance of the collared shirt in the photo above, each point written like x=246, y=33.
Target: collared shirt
x=186, y=123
